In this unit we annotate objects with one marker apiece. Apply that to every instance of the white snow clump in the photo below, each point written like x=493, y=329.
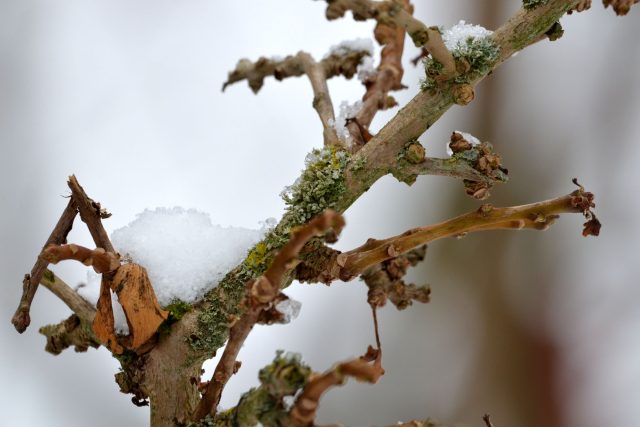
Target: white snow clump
x=459, y=33
x=290, y=309
x=356, y=45
x=347, y=111
x=366, y=69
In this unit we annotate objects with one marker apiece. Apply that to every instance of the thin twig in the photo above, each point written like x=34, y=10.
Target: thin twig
x=21, y=319
x=487, y=420
x=261, y=293
x=321, y=98
x=70, y=297
x=305, y=407
x=537, y=216
x=91, y=214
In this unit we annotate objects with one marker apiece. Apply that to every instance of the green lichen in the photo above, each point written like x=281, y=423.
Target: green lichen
x=177, y=309
x=320, y=186
x=475, y=55
x=532, y=4
x=48, y=275
x=285, y=376
x=555, y=32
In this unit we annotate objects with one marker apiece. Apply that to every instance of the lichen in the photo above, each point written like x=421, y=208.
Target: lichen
x=532, y=4
x=320, y=186
x=475, y=56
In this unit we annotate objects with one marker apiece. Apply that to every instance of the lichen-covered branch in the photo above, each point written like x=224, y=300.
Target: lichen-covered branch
x=73, y=331
x=21, y=319
x=260, y=293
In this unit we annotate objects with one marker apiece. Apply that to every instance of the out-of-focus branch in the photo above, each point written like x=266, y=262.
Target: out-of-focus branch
x=73, y=331
x=21, y=318
x=260, y=293
x=392, y=13
x=85, y=311
x=621, y=7
x=321, y=98
x=344, y=63
x=99, y=259
x=303, y=412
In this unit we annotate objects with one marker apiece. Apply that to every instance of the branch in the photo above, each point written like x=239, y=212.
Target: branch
x=344, y=63
x=91, y=214
x=321, y=98
x=99, y=259
x=305, y=407
x=72, y=332
x=391, y=13
x=536, y=216
x=261, y=292
x=85, y=311
x=21, y=318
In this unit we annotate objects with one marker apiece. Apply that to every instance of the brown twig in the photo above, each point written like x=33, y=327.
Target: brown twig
x=261, y=292
x=91, y=214
x=621, y=7
x=537, y=216
x=75, y=302
x=21, y=319
x=99, y=259
x=344, y=63
x=390, y=12
x=304, y=409
x=321, y=98
x=487, y=420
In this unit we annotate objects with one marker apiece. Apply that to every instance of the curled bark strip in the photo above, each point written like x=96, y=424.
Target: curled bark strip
x=21, y=318
x=303, y=412
x=261, y=292
x=103, y=324
x=138, y=300
x=99, y=259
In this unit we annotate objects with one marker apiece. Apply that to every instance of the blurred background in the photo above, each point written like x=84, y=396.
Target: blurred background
x=537, y=329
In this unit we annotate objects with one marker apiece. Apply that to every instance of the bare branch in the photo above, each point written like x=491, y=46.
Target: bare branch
x=261, y=292
x=99, y=259
x=344, y=63
x=85, y=311
x=621, y=7
x=91, y=214
x=306, y=405
x=321, y=98
x=21, y=318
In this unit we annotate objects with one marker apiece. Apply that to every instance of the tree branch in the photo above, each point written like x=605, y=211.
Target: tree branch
x=85, y=311
x=91, y=214
x=21, y=319
x=321, y=98
x=389, y=12
x=71, y=332
x=335, y=64
x=305, y=407
x=99, y=259
x=261, y=292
